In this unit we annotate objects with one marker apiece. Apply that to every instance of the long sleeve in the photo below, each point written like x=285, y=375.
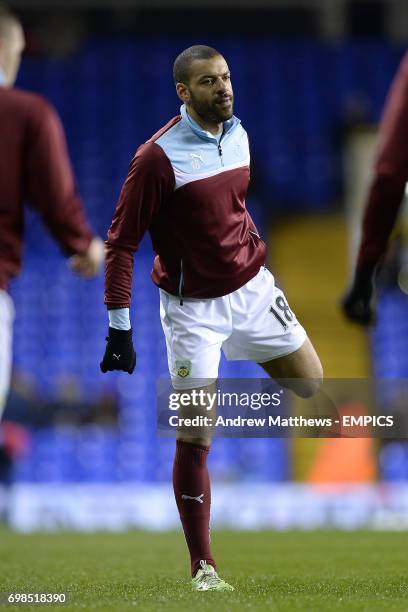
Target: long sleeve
x=50, y=182
x=150, y=181
x=390, y=173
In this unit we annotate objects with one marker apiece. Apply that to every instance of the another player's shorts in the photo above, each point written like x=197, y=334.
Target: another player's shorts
x=253, y=323
x=6, y=335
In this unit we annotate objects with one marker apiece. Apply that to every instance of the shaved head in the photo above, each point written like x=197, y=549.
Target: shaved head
x=12, y=45
x=8, y=21
x=182, y=64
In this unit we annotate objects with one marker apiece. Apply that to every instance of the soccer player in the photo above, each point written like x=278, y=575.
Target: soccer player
x=384, y=199
x=187, y=186
x=34, y=166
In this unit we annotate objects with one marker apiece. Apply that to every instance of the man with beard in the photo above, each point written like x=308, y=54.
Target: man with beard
x=187, y=186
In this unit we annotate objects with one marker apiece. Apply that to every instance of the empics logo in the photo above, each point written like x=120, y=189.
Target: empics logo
x=365, y=420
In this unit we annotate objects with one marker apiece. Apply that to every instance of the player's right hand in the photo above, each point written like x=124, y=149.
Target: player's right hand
x=89, y=264
x=119, y=352
x=358, y=303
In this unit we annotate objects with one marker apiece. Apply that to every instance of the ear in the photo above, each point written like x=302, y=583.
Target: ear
x=183, y=92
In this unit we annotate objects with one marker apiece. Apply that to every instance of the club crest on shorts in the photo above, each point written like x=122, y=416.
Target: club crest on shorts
x=183, y=368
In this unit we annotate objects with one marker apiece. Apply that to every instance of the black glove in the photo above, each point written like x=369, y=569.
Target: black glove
x=119, y=352
x=358, y=303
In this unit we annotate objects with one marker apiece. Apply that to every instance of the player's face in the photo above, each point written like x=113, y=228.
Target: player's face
x=209, y=90
x=11, y=48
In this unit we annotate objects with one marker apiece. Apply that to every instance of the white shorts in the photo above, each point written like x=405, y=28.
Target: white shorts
x=6, y=339
x=253, y=323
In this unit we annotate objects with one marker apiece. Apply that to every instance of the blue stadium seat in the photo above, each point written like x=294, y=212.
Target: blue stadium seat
x=302, y=105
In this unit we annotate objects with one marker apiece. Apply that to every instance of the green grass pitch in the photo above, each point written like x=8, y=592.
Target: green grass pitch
x=308, y=571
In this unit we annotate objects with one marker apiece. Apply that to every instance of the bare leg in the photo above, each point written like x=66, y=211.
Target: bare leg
x=300, y=371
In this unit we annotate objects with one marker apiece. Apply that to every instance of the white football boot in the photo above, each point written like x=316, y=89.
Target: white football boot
x=207, y=579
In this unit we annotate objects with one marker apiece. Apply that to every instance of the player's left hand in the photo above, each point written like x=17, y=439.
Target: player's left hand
x=358, y=303
x=119, y=352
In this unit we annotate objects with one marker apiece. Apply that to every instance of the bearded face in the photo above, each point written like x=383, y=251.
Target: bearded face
x=208, y=94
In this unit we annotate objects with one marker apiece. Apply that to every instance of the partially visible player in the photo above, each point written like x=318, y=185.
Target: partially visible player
x=187, y=186
x=34, y=167
x=384, y=200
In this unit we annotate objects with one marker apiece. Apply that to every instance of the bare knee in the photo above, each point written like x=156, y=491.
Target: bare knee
x=306, y=388
x=301, y=371
x=309, y=385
